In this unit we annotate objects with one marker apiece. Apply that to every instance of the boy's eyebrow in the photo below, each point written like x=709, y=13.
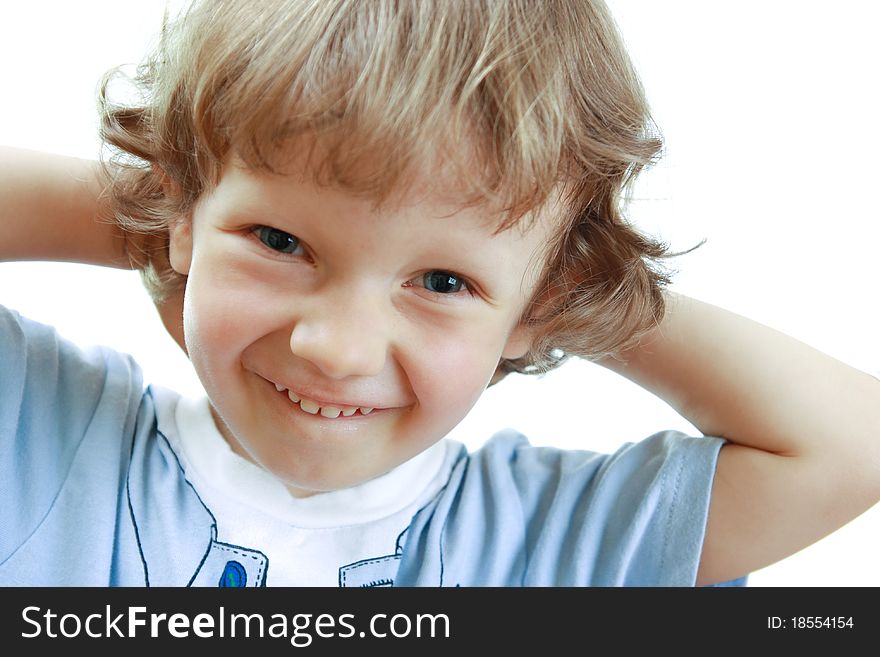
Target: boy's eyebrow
x=257, y=209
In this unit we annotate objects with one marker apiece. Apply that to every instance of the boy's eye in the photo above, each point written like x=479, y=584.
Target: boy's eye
x=442, y=282
x=277, y=240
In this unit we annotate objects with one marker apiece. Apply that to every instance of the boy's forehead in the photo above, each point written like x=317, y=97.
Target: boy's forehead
x=328, y=163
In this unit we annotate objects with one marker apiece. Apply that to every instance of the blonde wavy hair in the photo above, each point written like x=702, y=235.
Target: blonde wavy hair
x=541, y=91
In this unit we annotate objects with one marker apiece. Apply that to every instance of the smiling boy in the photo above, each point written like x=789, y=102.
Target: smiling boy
x=354, y=216
x=317, y=293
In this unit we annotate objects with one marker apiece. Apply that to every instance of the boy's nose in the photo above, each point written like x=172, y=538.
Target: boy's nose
x=342, y=338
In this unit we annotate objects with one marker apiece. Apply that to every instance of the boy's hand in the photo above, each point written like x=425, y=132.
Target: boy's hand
x=803, y=456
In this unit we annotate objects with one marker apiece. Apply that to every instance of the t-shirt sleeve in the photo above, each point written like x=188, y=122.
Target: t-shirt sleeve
x=636, y=517
x=51, y=393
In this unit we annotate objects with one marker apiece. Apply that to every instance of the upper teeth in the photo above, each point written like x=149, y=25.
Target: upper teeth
x=313, y=407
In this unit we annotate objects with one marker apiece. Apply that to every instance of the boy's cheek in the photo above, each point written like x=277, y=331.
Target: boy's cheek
x=218, y=321
x=455, y=373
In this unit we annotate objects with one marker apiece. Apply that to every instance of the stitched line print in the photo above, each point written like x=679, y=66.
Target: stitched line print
x=345, y=571
x=370, y=562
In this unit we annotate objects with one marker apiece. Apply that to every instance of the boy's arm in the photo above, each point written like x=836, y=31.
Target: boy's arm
x=803, y=456
x=52, y=208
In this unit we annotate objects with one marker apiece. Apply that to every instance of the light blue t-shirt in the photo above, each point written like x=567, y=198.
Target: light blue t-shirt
x=93, y=494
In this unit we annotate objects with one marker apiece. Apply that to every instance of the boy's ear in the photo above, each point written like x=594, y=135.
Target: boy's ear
x=180, y=235
x=518, y=343
x=180, y=246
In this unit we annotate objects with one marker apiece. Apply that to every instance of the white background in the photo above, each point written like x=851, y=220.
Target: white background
x=769, y=113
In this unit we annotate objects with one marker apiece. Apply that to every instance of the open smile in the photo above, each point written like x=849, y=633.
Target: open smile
x=329, y=411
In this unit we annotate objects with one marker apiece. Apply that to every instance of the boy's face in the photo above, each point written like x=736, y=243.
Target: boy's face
x=404, y=310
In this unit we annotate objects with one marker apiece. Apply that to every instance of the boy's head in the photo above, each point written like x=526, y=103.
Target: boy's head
x=383, y=203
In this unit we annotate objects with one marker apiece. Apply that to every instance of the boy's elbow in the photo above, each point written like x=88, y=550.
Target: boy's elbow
x=853, y=486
